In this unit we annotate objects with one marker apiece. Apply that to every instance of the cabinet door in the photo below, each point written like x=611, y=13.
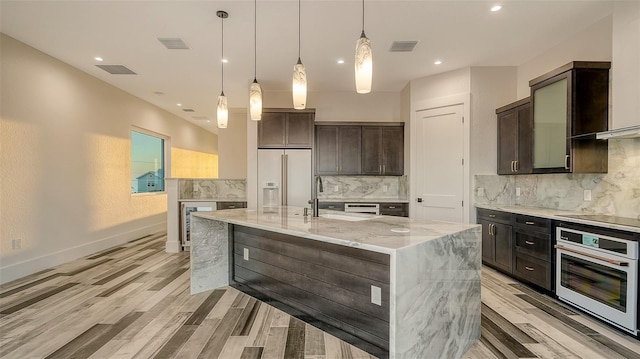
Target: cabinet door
x=299, y=130
x=550, y=117
x=393, y=151
x=371, y=150
x=326, y=150
x=525, y=140
x=507, y=141
x=488, y=242
x=503, y=246
x=271, y=130
x=349, y=150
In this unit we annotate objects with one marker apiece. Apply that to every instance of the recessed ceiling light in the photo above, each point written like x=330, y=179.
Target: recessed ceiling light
x=98, y=58
x=496, y=8
x=341, y=61
x=225, y=60
x=179, y=104
x=437, y=62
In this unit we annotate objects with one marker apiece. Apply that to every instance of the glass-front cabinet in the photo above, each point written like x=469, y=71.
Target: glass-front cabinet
x=569, y=106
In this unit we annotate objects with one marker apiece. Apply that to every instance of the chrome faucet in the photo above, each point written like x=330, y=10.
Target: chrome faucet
x=314, y=202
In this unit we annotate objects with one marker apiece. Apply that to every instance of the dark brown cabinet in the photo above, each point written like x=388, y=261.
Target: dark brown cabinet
x=383, y=150
x=230, y=205
x=497, y=247
x=394, y=209
x=286, y=129
x=515, y=136
x=569, y=106
x=338, y=150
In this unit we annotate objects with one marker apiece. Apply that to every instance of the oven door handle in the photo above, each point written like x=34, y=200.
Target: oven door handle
x=610, y=261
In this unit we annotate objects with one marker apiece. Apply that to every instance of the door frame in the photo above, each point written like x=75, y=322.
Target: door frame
x=463, y=99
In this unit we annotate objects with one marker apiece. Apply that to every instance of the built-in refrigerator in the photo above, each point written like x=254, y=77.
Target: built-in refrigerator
x=284, y=177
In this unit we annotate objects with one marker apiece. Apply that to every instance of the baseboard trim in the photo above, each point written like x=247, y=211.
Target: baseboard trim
x=18, y=270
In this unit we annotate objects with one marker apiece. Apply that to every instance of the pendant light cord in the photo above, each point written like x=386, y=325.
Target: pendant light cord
x=298, y=29
x=362, y=15
x=222, y=55
x=255, y=39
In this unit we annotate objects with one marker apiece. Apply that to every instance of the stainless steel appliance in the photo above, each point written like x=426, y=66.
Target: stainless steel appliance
x=284, y=176
x=371, y=208
x=598, y=273
x=186, y=208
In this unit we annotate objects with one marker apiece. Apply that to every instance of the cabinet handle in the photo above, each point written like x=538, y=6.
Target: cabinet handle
x=512, y=170
x=492, y=216
x=515, y=166
x=530, y=269
x=529, y=223
x=566, y=162
x=492, y=229
x=380, y=169
x=392, y=207
x=384, y=169
x=337, y=169
x=530, y=243
x=231, y=207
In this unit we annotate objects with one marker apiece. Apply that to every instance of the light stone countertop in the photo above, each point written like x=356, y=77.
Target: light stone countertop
x=213, y=199
x=373, y=234
x=557, y=215
x=364, y=200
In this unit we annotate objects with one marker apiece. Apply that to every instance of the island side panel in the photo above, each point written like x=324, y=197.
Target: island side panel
x=209, y=254
x=435, y=305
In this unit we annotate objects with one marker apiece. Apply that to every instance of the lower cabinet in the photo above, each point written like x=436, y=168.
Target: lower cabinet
x=519, y=245
x=230, y=205
x=399, y=209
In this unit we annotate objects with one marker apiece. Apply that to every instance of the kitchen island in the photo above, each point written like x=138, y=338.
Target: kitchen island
x=409, y=287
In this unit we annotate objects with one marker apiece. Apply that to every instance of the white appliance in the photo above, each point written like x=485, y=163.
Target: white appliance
x=288, y=172
x=598, y=273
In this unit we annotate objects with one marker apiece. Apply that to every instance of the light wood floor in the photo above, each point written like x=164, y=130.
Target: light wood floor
x=133, y=301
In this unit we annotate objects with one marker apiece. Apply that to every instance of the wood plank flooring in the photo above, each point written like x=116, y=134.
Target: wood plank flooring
x=133, y=301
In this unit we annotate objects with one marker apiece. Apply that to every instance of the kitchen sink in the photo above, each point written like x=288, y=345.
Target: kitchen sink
x=345, y=217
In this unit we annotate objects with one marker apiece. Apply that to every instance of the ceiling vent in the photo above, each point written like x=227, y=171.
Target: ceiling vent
x=200, y=118
x=403, y=46
x=174, y=43
x=117, y=69
x=188, y=110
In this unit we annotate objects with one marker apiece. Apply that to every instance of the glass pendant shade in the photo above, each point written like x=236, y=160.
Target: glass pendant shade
x=299, y=87
x=222, y=111
x=255, y=101
x=363, y=64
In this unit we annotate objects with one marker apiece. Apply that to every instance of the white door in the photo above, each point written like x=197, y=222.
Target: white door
x=299, y=171
x=439, y=172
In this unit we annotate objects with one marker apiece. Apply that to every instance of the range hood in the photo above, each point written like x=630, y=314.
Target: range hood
x=626, y=132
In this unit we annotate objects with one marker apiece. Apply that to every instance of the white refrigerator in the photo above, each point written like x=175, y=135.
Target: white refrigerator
x=287, y=173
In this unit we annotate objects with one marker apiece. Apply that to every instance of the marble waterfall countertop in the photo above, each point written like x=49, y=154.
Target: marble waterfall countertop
x=556, y=214
x=383, y=234
x=435, y=268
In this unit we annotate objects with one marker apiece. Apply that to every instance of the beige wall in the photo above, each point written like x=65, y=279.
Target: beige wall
x=232, y=146
x=65, y=162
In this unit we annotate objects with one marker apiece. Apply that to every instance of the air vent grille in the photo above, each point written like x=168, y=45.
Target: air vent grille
x=188, y=110
x=117, y=69
x=403, y=46
x=174, y=43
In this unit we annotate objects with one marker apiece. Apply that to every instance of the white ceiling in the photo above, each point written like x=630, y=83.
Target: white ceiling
x=460, y=33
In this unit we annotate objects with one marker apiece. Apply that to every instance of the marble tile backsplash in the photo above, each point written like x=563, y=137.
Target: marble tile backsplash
x=363, y=187
x=616, y=192
x=230, y=189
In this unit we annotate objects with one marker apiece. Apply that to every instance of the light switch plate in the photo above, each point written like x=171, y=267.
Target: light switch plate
x=336, y=188
x=246, y=253
x=376, y=295
x=517, y=191
x=385, y=188
x=481, y=191
x=587, y=195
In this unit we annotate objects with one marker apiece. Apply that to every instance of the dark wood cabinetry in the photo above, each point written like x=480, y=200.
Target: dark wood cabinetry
x=286, y=129
x=338, y=150
x=230, y=205
x=569, y=106
x=383, y=150
x=394, y=209
x=354, y=149
x=519, y=245
x=515, y=137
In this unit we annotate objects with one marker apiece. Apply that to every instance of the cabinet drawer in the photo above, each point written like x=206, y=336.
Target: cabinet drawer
x=230, y=205
x=335, y=206
x=394, y=209
x=533, y=270
x=533, y=244
x=533, y=223
x=496, y=216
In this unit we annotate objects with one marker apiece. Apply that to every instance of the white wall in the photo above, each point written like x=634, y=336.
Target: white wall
x=65, y=162
x=232, y=146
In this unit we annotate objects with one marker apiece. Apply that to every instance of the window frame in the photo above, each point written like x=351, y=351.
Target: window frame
x=167, y=158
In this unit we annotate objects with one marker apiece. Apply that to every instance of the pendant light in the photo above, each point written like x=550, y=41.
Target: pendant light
x=222, y=109
x=255, y=92
x=364, y=62
x=299, y=86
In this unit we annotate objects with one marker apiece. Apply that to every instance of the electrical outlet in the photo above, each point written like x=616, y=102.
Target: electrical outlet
x=587, y=195
x=246, y=253
x=376, y=295
x=385, y=188
x=480, y=191
x=196, y=187
x=336, y=188
x=517, y=191
x=16, y=244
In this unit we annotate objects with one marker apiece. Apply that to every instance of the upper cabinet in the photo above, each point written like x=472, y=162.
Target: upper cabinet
x=355, y=149
x=515, y=137
x=570, y=105
x=383, y=150
x=286, y=129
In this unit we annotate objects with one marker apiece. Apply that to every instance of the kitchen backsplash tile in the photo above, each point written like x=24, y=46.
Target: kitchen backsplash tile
x=616, y=192
x=231, y=189
x=363, y=187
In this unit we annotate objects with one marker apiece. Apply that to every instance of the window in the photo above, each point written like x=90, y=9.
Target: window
x=147, y=162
